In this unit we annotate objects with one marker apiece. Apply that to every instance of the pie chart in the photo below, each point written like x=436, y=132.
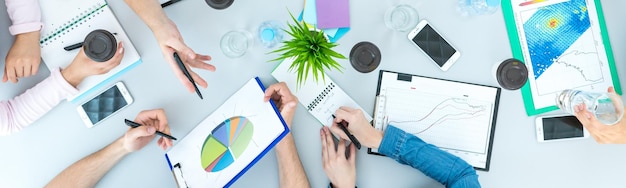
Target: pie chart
x=226, y=143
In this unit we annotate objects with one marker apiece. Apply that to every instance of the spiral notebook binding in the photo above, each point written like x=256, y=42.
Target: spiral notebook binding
x=72, y=24
x=321, y=96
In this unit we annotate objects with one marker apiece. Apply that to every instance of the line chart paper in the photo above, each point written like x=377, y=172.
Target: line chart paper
x=456, y=117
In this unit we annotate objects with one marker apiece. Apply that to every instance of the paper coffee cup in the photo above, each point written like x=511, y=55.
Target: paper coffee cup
x=100, y=45
x=510, y=74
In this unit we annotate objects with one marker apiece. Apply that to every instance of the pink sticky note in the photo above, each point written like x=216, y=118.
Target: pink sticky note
x=333, y=13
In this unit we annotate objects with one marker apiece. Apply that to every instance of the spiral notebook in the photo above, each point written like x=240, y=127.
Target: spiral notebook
x=68, y=22
x=321, y=98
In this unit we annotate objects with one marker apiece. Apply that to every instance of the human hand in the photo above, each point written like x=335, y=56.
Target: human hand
x=341, y=170
x=23, y=58
x=285, y=101
x=603, y=134
x=170, y=41
x=151, y=121
x=82, y=66
x=358, y=126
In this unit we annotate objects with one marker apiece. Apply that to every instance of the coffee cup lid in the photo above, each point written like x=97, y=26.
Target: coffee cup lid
x=365, y=57
x=100, y=45
x=512, y=74
x=219, y=4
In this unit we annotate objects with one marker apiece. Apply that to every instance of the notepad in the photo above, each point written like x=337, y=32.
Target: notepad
x=321, y=99
x=229, y=141
x=457, y=117
x=68, y=22
x=333, y=13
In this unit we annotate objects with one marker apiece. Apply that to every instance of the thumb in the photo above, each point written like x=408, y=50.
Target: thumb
x=141, y=131
x=179, y=46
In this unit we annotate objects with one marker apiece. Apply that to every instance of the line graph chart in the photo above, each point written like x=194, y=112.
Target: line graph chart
x=452, y=123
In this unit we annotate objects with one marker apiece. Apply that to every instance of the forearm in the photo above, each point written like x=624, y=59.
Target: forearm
x=432, y=161
x=150, y=12
x=26, y=108
x=25, y=16
x=290, y=168
x=89, y=170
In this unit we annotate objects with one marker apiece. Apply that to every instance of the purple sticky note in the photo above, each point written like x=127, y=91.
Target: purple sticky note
x=333, y=13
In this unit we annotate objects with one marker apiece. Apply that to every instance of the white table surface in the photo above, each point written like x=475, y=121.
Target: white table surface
x=34, y=156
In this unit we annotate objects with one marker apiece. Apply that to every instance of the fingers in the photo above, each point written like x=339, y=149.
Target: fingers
x=27, y=70
x=141, y=131
x=336, y=130
x=198, y=79
x=154, y=116
x=4, y=76
x=34, y=69
x=341, y=148
x=352, y=158
x=330, y=144
x=324, y=147
x=611, y=89
x=11, y=74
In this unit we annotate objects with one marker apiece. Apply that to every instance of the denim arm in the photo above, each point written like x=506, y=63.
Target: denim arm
x=449, y=170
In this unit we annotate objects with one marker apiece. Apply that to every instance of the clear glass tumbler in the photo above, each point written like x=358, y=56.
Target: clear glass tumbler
x=401, y=18
x=236, y=43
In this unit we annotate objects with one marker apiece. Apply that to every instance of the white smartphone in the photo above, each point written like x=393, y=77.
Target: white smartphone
x=559, y=127
x=104, y=105
x=425, y=37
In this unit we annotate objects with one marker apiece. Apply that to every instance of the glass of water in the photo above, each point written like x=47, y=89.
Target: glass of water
x=236, y=43
x=401, y=18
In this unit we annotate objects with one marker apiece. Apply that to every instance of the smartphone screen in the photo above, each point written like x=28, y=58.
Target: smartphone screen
x=104, y=105
x=434, y=45
x=562, y=127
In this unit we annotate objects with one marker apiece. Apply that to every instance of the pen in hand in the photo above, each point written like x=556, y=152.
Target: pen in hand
x=135, y=125
x=342, y=125
x=182, y=67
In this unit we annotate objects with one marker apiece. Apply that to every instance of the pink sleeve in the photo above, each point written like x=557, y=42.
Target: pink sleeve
x=25, y=15
x=24, y=109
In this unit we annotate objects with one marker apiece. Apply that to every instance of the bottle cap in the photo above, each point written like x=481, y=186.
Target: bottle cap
x=365, y=57
x=511, y=74
x=219, y=4
x=100, y=45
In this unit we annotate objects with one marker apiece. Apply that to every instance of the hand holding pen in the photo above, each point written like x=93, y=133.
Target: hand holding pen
x=356, y=125
x=151, y=122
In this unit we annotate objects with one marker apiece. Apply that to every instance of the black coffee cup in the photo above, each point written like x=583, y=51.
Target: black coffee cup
x=100, y=45
x=511, y=74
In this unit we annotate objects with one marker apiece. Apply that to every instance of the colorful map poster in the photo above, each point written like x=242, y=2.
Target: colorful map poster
x=565, y=45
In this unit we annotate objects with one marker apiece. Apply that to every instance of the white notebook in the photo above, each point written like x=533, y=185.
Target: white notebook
x=68, y=22
x=321, y=98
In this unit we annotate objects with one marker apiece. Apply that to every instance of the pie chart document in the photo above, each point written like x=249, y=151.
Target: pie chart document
x=229, y=141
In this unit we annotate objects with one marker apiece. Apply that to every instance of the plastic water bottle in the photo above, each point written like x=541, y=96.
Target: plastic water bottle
x=478, y=7
x=606, y=107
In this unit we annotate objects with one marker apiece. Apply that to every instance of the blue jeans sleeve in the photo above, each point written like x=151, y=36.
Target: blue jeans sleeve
x=449, y=170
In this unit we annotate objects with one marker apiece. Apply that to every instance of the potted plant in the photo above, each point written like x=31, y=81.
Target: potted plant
x=311, y=52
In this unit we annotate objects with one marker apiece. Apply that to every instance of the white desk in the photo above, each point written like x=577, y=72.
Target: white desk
x=34, y=156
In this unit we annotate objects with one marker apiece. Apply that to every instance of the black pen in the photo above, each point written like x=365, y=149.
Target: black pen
x=186, y=72
x=353, y=139
x=135, y=125
x=73, y=46
x=168, y=3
